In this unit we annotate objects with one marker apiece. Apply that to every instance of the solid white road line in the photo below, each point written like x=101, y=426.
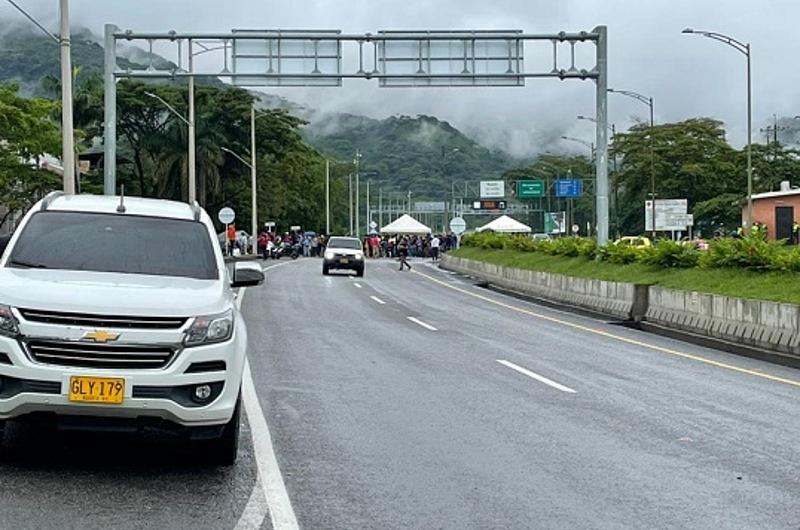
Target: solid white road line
x=357, y=285
x=269, y=473
x=421, y=323
x=378, y=300
x=533, y=375
x=272, y=498
x=256, y=511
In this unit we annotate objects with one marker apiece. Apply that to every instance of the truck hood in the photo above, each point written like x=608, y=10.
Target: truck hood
x=111, y=293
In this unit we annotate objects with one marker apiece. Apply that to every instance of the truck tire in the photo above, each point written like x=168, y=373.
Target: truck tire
x=223, y=451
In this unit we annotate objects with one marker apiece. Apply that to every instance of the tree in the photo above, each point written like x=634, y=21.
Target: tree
x=27, y=132
x=691, y=160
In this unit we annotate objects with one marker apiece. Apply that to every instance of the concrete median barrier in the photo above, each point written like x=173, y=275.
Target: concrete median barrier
x=610, y=298
x=757, y=323
x=750, y=327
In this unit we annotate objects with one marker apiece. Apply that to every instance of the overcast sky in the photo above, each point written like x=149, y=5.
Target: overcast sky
x=686, y=75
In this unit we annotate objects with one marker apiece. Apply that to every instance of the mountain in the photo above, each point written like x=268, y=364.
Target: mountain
x=28, y=58
x=414, y=153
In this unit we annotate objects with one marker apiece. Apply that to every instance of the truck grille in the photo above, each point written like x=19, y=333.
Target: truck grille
x=88, y=355
x=102, y=321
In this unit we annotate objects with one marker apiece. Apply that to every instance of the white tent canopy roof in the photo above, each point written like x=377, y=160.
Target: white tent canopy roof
x=405, y=225
x=507, y=225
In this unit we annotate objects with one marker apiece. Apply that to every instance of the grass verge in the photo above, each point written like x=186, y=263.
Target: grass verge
x=774, y=286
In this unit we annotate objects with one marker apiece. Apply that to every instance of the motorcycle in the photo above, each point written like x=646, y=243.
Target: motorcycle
x=287, y=250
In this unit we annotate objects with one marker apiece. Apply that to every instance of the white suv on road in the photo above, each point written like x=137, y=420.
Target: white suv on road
x=119, y=313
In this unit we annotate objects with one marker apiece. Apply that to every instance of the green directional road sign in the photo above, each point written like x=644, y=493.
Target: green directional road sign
x=530, y=189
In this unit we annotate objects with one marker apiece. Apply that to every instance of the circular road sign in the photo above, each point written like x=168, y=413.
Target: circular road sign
x=226, y=216
x=576, y=229
x=458, y=225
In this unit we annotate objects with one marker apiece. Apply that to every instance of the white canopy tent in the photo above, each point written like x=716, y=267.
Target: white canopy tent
x=406, y=225
x=506, y=225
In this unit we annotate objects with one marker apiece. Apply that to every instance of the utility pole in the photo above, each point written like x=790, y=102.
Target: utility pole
x=67, y=133
x=369, y=214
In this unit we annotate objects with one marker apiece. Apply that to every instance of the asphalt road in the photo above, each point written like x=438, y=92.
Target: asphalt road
x=380, y=422
x=418, y=400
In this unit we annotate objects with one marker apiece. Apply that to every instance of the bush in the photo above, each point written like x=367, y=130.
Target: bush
x=619, y=254
x=750, y=252
x=485, y=240
x=787, y=261
x=671, y=254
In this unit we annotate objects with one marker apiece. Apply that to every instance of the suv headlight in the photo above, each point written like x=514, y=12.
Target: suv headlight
x=329, y=255
x=210, y=329
x=8, y=324
x=359, y=256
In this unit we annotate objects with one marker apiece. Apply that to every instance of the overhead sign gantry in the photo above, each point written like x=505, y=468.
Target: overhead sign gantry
x=399, y=59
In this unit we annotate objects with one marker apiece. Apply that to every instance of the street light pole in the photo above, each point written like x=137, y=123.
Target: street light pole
x=743, y=48
x=190, y=127
x=649, y=102
x=67, y=133
x=327, y=197
x=357, y=162
x=192, y=154
x=253, y=198
x=350, y=200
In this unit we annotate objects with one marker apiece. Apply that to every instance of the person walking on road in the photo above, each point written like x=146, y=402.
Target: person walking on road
x=402, y=251
x=435, y=243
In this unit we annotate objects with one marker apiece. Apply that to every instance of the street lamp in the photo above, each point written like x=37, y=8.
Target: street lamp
x=649, y=102
x=357, y=162
x=191, y=121
x=615, y=197
x=590, y=145
x=190, y=124
x=254, y=223
x=612, y=127
x=743, y=48
x=328, y=196
x=445, y=154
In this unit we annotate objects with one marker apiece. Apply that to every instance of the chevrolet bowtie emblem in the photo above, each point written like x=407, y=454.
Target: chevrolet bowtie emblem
x=100, y=336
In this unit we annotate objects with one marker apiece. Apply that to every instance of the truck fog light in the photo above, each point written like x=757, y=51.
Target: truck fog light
x=202, y=392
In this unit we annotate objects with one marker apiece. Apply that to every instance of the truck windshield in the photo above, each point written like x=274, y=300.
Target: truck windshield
x=115, y=243
x=340, y=242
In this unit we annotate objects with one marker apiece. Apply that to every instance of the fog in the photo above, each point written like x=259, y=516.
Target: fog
x=687, y=75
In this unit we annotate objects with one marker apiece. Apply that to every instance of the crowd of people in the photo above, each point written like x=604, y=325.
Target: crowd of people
x=427, y=246
x=311, y=245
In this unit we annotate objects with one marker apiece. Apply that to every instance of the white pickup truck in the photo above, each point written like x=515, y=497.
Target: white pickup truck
x=119, y=314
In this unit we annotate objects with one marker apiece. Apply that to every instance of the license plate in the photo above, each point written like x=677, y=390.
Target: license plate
x=109, y=390
x=343, y=260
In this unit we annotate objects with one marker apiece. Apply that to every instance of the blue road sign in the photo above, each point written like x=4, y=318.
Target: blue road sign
x=569, y=188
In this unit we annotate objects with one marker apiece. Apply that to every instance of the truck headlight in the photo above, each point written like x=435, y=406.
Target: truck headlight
x=210, y=329
x=359, y=256
x=8, y=323
x=329, y=255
